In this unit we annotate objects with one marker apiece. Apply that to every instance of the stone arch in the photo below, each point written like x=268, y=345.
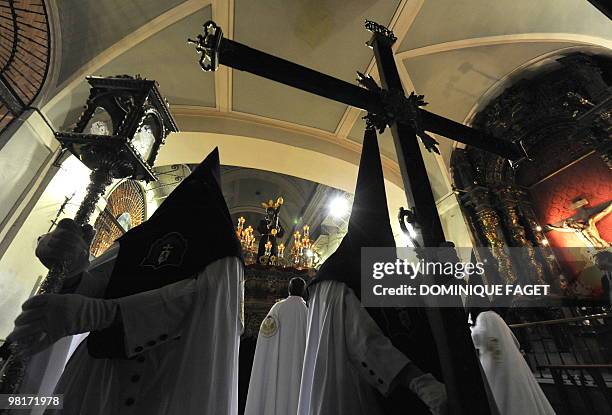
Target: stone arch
x=243, y=151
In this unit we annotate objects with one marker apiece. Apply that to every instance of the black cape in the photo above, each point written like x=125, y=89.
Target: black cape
x=191, y=229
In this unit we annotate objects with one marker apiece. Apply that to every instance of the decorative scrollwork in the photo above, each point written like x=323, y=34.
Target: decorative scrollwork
x=381, y=30
x=594, y=128
x=551, y=110
x=207, y=45
x=397, y=108
x=367, y=82
x=579, y=99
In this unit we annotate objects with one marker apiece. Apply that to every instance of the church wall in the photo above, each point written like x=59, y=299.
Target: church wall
x=22, y=164
x=25, y=157
x=454, y=223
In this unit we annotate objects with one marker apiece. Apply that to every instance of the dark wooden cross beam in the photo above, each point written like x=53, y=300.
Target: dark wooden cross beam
x=603, y=6
x=388, y=106
x=216, y=50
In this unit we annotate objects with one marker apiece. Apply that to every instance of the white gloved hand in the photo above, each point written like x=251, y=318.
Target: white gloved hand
x=68, y=245
x=47, y=318
x=431, y=392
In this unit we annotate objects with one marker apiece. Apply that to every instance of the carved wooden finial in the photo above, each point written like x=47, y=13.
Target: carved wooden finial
x=380, y=30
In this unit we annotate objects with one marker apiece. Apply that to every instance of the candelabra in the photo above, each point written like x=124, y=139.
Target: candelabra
x=302, y=254
x=247, y=241
x=281, y=250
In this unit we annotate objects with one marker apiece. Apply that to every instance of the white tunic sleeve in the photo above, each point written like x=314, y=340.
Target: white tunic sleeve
x=370, y=351
x=154, y=317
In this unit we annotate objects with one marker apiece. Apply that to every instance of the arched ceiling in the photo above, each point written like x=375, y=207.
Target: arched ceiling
x=453, y=51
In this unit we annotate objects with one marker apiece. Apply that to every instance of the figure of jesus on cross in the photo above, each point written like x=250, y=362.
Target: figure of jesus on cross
x=584, y=223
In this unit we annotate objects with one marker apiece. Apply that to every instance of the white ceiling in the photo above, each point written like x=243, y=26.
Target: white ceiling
x=454, y=81
x=453, y=51
x=442, y=21
x=86, y=28
x=167, y=58
x=325, y=35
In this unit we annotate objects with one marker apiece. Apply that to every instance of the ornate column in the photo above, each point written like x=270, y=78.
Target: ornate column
x=476, y=201
x=508, y=197
x=488, y=221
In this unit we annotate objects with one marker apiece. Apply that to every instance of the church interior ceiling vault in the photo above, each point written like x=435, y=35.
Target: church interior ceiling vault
x=449, y=53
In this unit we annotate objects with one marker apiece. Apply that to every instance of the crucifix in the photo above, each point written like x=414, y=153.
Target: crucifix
x=584, y=223
x=388, y=106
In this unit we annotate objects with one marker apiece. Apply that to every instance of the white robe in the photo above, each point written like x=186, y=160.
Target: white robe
x=347, y=358
x=514, y=387
x=182, y=345
x=277, y=367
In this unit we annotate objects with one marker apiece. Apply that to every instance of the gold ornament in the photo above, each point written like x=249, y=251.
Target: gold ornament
x=272, y=204
x=269, y=326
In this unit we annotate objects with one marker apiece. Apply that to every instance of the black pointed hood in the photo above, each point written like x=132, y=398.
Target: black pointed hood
x=201, y=184
x=369, y=224
x=188, y=231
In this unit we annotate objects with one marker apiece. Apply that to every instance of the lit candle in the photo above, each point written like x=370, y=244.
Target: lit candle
x=281, y=250
x=240, y=227
x=296, y=237
x=248, y=236
x=268, y=247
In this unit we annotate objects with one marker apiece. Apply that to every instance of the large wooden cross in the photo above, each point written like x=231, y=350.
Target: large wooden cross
x=387, y=106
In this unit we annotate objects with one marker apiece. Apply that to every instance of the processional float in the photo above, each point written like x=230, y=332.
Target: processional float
x=388, y=106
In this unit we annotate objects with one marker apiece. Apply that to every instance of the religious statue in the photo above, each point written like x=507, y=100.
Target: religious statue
x=584, y=223
x=270, y=229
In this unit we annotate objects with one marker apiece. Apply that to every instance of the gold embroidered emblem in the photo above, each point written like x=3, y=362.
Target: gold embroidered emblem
x=269, y=326
x=166, y=251
x=164, y=254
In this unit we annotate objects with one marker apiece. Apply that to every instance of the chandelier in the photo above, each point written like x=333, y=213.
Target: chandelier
x=302, y=253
